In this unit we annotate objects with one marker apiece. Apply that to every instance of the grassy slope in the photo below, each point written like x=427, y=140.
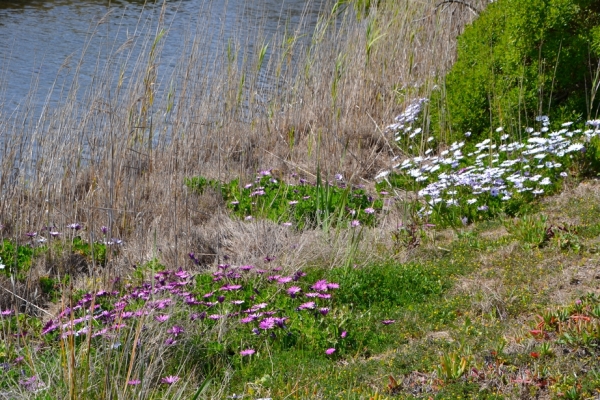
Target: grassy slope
x=463, y=302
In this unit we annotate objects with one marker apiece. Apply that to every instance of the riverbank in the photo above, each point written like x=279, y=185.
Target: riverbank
x=211, y=241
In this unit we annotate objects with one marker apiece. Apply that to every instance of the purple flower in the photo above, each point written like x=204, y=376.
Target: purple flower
x=258, y=306
x=320, y=285
x=307, y=306
x=31, y=234
x=388, y=321
x=369, y=210
x=246, y=267
x=269, y=259
x=247, y=352
x=298, y=275
x=162, y=317
x=54, y=233
x=231, y=287
x=280, y=322
x=200, y=316
x=330, y=351
x=170, y=341
x=344, y=334
x=104, y=229
x=312, y=294
x=193, y=258
x=355, y=223
x=169, y=380
x=332, y=285
x=284, y=279
x=101, y=332
x=181, y=274
x=293, y=291
x=324, y=311
x=134, y=382
x=32, y=383
x=267, y=323
x=6, y=313
x=175, y=330
x=215, y=316
x=247, y=320
x=76, y=226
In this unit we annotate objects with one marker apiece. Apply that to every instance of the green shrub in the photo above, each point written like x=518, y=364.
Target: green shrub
x=518, y=60
x=15, y=258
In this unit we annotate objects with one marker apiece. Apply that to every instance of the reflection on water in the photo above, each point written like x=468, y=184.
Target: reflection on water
x=44, y=44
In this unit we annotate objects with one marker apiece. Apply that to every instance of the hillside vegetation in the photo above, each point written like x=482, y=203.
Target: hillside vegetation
x=301, y=243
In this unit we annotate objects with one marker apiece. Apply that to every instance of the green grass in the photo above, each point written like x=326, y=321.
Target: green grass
x=304, y=204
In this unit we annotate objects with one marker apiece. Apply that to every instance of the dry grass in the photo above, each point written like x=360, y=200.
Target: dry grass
x=118, y=157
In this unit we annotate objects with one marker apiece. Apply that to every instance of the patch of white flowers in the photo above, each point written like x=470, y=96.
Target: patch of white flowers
x=500, y=168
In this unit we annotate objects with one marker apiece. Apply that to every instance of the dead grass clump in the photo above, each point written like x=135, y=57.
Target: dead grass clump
x=488, y=296
x=574, y=205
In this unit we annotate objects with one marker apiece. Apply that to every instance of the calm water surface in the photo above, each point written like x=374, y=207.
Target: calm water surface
x=43, y=44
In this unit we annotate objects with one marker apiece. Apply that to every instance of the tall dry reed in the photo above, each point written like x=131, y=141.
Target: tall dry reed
x=115, y=152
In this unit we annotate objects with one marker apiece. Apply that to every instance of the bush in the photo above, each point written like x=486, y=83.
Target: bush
x=521, y=59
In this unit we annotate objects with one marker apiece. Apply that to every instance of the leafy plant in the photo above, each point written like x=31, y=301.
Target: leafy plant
x=15, y=258
x=92, y=251
x=521, y=59
x=529, y=230
x=452, y=366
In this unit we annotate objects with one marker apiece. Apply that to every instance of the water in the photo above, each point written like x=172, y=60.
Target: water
x=47, y=46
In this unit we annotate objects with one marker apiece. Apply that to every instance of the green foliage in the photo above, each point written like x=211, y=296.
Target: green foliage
x=305, y=205
x=15, y=258
x=452, y=366
x=590, y=162
x=529, y=230
x=199, y=183
x=387, y=286
x=52, y=287
x=95, y=251
x=518, y=60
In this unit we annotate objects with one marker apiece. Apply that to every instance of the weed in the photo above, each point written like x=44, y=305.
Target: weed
x=531, y=231
x=452, y=367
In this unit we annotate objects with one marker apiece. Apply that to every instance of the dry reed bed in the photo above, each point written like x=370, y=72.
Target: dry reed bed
x=117, y=155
